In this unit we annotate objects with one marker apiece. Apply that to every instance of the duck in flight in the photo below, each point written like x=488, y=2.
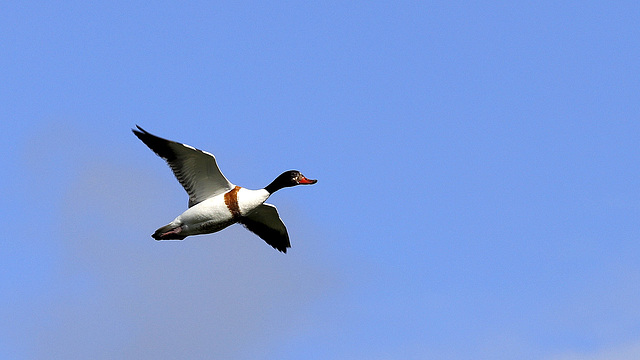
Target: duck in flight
x=214, y=202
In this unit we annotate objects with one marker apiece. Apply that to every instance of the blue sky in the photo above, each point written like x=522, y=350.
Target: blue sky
x=477, y=166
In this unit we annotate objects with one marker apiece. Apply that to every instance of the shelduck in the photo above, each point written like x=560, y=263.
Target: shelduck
x=214, y=202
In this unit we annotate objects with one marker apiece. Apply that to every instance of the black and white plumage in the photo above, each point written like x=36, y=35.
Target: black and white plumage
x=214, y=202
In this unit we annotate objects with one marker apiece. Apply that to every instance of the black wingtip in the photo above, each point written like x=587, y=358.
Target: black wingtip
x=139, y=131
x=282, y=249
x=143, y=135
x=159, y=145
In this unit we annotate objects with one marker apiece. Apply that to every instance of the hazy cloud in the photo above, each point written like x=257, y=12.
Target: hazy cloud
x=124, y=295
x=628, y=351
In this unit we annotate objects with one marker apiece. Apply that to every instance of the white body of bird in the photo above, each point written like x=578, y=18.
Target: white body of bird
x=214, y=214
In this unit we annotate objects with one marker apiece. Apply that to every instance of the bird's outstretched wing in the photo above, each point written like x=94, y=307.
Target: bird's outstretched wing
x=196, y=170
x=265, y=222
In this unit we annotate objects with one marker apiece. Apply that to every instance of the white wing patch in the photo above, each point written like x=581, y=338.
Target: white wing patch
x=196, y=170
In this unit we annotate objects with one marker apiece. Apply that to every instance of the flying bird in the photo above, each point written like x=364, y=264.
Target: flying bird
x=214, y=202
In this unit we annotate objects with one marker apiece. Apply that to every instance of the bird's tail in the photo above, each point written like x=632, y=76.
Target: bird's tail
x=169, y=232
